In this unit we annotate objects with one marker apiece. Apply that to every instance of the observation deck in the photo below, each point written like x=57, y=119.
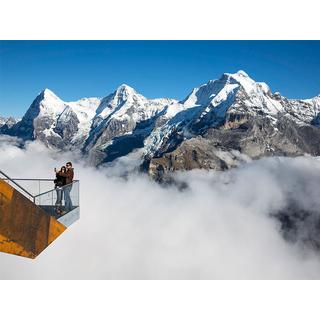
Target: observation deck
x=33, y=213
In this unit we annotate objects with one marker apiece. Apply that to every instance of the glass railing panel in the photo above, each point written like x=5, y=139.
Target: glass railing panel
x=59, y=201
x=35, y=186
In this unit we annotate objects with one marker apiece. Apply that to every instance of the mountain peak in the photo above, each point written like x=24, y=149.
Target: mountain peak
x=124, y=88
x=243, y=79
x=48, y=102
x=47, y=92
x=120, y=96
x=238, y=76
x=242, y=73
x=124, y=92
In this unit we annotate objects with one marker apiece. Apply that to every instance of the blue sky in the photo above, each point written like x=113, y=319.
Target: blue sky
x=76, y=69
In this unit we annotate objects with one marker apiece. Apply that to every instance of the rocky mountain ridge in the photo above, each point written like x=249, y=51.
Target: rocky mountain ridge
x=218, y=125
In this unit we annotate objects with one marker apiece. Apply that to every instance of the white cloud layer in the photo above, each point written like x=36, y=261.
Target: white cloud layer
x=217, y=228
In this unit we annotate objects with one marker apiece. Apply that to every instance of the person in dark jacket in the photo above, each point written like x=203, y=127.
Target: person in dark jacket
x=59, y=183
x=68, y=175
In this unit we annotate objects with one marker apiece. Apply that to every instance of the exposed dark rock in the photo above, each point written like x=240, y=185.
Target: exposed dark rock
x=254, y=137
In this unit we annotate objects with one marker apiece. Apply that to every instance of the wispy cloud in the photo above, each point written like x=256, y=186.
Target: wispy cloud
x=219, y=227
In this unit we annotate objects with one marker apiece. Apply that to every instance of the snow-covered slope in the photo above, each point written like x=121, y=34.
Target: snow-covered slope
x=82, y=112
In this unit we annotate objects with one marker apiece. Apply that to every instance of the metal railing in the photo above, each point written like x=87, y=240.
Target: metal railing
x=54, y=201
x=13, y=181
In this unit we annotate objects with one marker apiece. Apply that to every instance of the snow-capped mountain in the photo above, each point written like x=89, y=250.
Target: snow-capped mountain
x=230, y=115
x=229, y=100
x=217, y=125
x=55, y=122
x=122, y=122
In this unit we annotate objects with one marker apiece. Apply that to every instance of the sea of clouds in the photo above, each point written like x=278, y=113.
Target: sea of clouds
x=219, y=227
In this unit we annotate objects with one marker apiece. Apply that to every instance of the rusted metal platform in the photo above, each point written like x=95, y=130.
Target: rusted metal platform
x=25, y=229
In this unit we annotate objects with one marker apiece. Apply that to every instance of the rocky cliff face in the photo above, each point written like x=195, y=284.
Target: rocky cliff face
x=236, y=141
x=217, y=126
